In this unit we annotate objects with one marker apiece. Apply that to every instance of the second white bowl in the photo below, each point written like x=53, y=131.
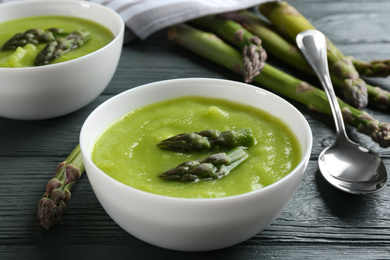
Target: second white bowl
x=53, y=90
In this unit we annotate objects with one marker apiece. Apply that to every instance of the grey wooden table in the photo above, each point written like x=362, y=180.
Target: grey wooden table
x=319, y=223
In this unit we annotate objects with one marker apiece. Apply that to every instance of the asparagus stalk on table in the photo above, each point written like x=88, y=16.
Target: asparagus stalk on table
x=375, y=68
x=272, y=41
x=208, y=140
x=32, y=36
x=59, y=46
x=275, y=43
x=289, y=53
x=288, y=20
x=213, y=167
x=209, y=46
x=53, y=203
x=253, y=52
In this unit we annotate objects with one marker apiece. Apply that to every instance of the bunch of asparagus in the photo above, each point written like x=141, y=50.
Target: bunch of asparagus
x=285, y=51
x=221, y=39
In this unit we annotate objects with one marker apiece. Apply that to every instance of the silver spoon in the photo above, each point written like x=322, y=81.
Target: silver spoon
x=345, y=164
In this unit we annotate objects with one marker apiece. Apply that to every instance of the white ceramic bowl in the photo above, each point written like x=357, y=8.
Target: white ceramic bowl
x=193, y=224
x=58, y=89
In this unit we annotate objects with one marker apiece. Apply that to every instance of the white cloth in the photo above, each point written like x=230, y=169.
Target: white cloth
x=144, y=17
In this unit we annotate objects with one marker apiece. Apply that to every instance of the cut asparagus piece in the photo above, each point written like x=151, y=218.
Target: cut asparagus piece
x=213, y=167
x=287, y=52
x=33, y=36
x=208, y=140
x=253, y=52
x=288, y=20
x=54, y=201
x=211, y=47
x=58, y=47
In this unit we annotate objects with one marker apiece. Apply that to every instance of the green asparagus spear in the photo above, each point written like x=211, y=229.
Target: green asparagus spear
x=288, y=20
x=253, y=53
x=213, y=167
x=271, y=40
x=285, y=51
x=53, y=203
x=56, y=48
x=211, y=47
x=375, y=68
x=33, y=36
x=207, y=140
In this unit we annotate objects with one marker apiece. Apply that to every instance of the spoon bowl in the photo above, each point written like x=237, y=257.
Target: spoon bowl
x=367, y=174
x=346, y=165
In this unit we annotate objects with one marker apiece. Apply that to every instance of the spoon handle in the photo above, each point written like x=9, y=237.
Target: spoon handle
x=312, y=43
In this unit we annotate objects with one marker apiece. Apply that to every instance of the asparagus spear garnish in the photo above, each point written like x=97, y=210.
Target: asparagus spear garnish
x=213, y=167
x=53, y=203
x=253, y=52
x=289, y=53
x=211, y=47
x=33, y=36
x=288, y=20
x=56, y=48
x=207, y=140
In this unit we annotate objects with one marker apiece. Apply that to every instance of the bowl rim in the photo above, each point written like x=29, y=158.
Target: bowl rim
x=87, y=153
x=82, y=4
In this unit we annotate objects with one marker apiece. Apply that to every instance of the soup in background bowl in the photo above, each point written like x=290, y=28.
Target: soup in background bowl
x=42, y=92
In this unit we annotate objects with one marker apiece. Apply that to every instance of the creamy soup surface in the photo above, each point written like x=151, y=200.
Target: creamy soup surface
x=127, y=150
x=25, y=56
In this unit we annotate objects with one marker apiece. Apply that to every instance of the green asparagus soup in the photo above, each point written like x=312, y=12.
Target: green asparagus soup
x=127, y=150
x=99, y=36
